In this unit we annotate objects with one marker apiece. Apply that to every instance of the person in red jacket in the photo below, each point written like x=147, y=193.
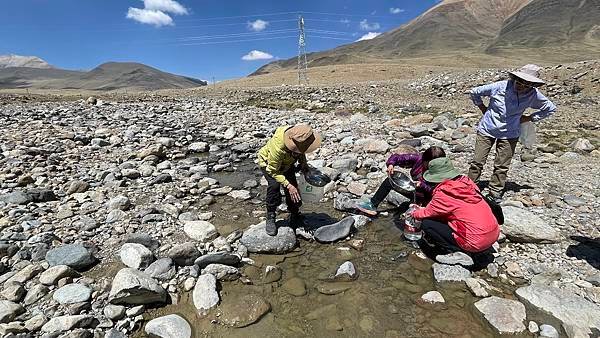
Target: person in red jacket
x=457, y=218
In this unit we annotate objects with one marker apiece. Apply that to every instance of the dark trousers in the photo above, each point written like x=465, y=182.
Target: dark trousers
x=440, y=234
x=420, y=197
x=274, y=192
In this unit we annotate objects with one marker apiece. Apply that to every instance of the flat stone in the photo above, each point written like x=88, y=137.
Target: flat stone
x=205, y=295
x=222, y=272
x=170, y=326
x=143, y=239
x=161, y=269
x=522, y=226
x=433, y=297
x=13, y=291
x=295, y=287
x=35, y=293
x=240, y=195
x=574, y=201
x=244, y=310
x=333, y=232
x=334, y=288
x=25, y=274
x=357, y=188
x=16, y=197
x=56, y=273
x=223, y=257
x=72, y=293
x=455, y=258
x=256, y=240
x=345, y=202
x=11, y=329
x=35, y=323
x=450, y=273
x=201, y=231
x=132, y=287
x=66, y=323
x=505, y=316
x=75, y=256
x=578, y=316
x=476, y=287
x=9, y=310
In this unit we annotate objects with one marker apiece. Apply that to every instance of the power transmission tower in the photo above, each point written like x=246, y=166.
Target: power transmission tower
x=302, y=63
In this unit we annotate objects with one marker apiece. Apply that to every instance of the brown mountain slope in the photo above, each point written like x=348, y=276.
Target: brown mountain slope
x=462, y=27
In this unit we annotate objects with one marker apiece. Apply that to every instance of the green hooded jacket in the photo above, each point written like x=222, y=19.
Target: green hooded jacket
x=276, y=158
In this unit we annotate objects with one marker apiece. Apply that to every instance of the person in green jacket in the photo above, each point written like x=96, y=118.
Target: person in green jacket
x=276, y=160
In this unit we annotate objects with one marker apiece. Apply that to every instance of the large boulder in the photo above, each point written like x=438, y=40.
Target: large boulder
x=205, y=295
x=75, y=256
x=506, y=316
x=578, y=316
x=256, y=239
x=523, y=226
x=132, y=287
x=170, y=326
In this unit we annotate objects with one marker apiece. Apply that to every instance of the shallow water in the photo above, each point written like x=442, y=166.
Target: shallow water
x=383, y=302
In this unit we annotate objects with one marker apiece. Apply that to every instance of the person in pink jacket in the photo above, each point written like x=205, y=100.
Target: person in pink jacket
x=457, y=218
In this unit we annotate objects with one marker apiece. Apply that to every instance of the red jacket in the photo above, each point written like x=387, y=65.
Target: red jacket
x=458, y=203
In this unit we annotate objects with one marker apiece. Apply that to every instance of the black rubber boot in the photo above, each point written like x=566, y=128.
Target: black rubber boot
x=271, y=227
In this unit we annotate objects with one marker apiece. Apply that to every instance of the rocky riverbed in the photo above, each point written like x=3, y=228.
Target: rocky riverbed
x=143, y=215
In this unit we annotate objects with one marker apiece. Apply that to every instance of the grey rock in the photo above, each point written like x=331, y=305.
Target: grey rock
x=574, y=201
x=433, y=297
x=9, y=310
x=132, y=287
x=119, y=202
x=346, y=271
x=345, y=164
x=334, y=232
x=16, y=197
x=35, y=293
x=72, y=293
x=396, y=198
x=75, y=256
x=115, y=215
x=136, y=255
x=450, y=273
x=161, y=269
x=114, y=312
x=184, y=254
x=201, y=231
x=13, y=291
x=477, y=287
x=26, y=274
x=77, y=186
x=577, y=315
x=345, y=202
x=582, y=145
x=505, y=316
x=455, y=258
x=205, y=295
x=55, y=273
x=256, y=240
x=42, y=195
x=594, y=279
x=35, y=323
x=160, y=179
x=143, y=239
x=170, y=326
x=221, y=272
x=548, y=331
x=113, y=333
x=225, y=258
x=66, y=323
x=198, y=147
x=523, y=226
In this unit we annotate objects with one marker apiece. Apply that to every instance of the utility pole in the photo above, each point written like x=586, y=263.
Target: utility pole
x=302, y=62
x=213, y=81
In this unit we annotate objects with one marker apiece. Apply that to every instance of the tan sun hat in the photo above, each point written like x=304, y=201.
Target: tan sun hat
x=301, y=139
x=529, y=73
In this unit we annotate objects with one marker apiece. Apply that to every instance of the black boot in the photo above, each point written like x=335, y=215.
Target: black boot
x=271, y=227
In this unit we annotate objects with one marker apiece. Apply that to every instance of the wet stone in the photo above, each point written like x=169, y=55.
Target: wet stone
x=334, y=232
x=221, y=272
x=548, y=331
x=449, y=273
x=243, y=311
x=506, y=316
x=346, y=271
x=256, y=239
x=433, y=297
x=333, y=288
x=218, y=258
x=295, y=287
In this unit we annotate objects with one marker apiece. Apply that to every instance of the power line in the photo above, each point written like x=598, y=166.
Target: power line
x=234, y=41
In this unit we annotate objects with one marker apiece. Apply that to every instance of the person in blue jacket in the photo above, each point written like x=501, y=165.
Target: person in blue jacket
x=501, y=121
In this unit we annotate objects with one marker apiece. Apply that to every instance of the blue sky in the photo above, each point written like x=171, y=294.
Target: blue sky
x=200, y=38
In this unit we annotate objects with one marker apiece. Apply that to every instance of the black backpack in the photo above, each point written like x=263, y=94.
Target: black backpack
x=496, y=208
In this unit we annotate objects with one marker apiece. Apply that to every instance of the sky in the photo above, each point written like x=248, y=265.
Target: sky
x=204, y=39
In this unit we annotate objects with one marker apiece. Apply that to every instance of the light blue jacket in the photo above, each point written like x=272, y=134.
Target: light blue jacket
x=502, y=120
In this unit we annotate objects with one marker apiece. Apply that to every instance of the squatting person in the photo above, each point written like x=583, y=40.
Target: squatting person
x=277, y=160
x=501, y=121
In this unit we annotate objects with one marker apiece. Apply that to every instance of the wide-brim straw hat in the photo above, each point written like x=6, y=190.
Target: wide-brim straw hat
x=440, y=169
x=301, y=138
x=529, y=73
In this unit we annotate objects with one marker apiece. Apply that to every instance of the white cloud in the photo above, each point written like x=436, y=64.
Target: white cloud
x=345, y=21
x=257, y=55
x=150, y=17
x=169, y=6
x=258, y=25
x=369, y=36
x=366, y=26
x=155, y=12
x=396, y=10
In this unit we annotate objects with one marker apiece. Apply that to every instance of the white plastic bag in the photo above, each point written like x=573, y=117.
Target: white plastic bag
x=527, y=137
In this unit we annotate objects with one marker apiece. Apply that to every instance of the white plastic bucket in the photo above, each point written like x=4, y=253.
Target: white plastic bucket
x=527, y=137
x=309, y=193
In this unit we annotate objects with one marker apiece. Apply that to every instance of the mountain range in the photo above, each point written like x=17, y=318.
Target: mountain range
x=33, y=72
x=540, y=30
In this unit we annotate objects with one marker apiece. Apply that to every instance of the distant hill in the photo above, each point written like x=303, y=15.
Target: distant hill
x=108, y=76
x=567, y=30
x=7, y=61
